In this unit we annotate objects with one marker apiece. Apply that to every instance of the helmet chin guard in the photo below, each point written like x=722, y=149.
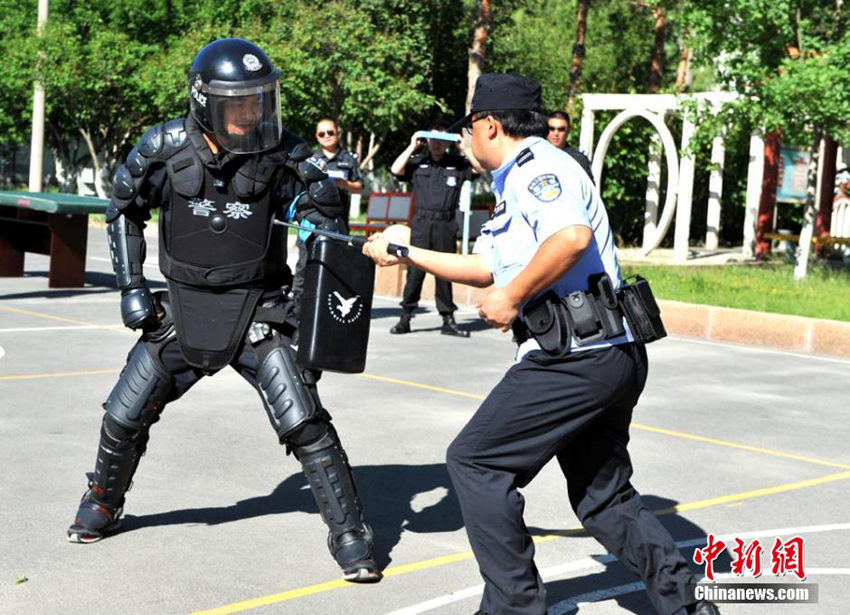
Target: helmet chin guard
x=234, y=94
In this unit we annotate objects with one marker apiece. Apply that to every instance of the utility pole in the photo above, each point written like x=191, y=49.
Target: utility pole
x=37, y=139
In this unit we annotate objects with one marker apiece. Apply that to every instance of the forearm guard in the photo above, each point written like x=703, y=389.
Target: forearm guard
x=127, y=249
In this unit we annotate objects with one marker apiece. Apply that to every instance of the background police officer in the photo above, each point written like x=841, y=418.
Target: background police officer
x=437, y=177
x=572, y=399
x=559, y=133
x=342, y=166
x=220, y=176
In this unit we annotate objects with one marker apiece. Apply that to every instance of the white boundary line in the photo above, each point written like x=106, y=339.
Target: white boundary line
x=759, y=349
x=589, y=563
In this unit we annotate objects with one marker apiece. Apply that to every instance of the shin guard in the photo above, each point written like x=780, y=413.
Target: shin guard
x=350, y=540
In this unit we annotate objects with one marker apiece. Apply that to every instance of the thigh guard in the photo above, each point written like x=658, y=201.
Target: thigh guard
x=288, y=401
x=142, y=389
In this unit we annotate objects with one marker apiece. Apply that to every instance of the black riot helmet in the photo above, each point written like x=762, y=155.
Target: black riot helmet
x=234, y=94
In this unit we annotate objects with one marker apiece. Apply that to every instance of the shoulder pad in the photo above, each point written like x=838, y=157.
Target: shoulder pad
x=164, y=140
x=157, y=144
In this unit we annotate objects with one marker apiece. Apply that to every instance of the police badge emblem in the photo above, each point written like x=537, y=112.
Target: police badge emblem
x=251, y=62
x=545, y=187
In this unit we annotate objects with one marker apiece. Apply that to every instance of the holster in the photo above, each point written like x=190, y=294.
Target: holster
x=641, y=311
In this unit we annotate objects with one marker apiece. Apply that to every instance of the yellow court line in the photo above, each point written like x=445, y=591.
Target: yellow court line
x=746, y=447
x=668, y=432
x=94, y=372
x=118, y=328
x=433, y=562
x=420, y=385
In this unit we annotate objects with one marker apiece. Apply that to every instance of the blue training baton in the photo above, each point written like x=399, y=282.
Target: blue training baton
x=434, y=134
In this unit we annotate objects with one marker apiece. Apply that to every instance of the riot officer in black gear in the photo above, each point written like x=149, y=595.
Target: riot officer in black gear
x=220, y=176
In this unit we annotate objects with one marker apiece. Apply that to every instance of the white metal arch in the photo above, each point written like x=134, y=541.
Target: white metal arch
x=672, y=165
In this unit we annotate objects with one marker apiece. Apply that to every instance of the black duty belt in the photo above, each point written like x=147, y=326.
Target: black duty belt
x=589, y=316
x=435, y=215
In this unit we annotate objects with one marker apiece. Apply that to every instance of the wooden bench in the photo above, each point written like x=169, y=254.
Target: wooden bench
x=46, y=223
x=385, y=208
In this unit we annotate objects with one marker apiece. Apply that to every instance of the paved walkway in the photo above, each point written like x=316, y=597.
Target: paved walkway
x=728, y=439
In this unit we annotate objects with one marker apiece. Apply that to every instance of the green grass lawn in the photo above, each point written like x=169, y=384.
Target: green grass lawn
x=765, y=287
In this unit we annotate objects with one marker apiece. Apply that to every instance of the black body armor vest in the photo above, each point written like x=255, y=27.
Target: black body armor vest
x=216, y=224
x=219, y=249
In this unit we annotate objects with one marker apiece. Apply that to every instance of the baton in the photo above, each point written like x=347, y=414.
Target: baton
x=352, y=240
x=438, y=135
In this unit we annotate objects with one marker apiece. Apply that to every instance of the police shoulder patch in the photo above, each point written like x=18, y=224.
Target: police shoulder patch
x=545, y=187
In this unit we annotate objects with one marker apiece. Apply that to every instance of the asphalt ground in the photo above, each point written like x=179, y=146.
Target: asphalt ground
x=727, y=440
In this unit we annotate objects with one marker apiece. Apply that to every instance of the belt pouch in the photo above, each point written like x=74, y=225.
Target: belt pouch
x=607, y=305
x=547, y=323
x=641, y=311
x=587, y=324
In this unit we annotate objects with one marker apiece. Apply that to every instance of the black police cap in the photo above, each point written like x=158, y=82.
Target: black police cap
x=502, y=92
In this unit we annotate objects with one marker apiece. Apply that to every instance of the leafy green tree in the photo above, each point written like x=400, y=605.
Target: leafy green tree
x=17, y=69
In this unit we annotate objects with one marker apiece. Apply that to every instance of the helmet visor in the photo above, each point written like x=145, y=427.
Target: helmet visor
x=246, y=120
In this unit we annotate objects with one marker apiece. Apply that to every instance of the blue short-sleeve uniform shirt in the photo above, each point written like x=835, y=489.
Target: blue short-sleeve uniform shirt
x=541, y=190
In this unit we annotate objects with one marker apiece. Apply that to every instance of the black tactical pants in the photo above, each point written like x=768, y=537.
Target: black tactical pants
x=439, y=235
x=577, y=409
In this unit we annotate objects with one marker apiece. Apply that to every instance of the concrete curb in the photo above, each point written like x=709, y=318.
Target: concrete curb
x=779, y=331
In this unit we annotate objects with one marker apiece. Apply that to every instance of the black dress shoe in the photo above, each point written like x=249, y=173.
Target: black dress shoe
x=403, y=325
x=702, y=608
x=450, y=327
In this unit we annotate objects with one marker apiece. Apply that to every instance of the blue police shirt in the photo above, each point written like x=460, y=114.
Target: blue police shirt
x=541, y=190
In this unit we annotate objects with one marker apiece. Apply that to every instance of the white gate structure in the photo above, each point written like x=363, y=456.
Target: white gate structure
x=680, y=172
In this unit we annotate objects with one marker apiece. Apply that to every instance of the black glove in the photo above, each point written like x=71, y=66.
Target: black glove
x=139, y=308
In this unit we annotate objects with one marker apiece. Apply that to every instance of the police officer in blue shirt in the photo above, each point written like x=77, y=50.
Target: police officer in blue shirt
x=549, y=251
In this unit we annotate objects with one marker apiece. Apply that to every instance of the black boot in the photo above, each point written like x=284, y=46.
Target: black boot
x=403, y=325
x=450, y=327
x=94, y=519
x=101, y=507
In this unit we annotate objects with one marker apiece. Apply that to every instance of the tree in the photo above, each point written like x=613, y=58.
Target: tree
x=784, y=58
x=578, y=51
x=478, y=51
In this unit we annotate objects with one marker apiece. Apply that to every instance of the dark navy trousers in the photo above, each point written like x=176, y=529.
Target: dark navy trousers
x=577, y=409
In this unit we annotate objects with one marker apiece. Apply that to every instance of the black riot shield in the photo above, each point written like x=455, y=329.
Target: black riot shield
x=336, y=305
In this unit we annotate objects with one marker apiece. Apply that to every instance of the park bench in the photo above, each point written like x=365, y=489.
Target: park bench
x=384, y=209
x=46, y=223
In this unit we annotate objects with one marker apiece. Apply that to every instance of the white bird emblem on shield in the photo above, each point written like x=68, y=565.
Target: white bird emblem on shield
x=345, y=305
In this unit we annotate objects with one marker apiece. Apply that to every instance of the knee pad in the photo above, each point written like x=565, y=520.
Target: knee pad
x=288, y=401
x=140, y=392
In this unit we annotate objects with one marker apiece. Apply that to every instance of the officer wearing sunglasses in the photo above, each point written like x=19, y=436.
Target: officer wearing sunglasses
x=343, y=167
x=559, y=132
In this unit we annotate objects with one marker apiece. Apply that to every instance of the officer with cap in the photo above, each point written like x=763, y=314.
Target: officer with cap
x=547, y=249
x=437, y=177
x=220, y=176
